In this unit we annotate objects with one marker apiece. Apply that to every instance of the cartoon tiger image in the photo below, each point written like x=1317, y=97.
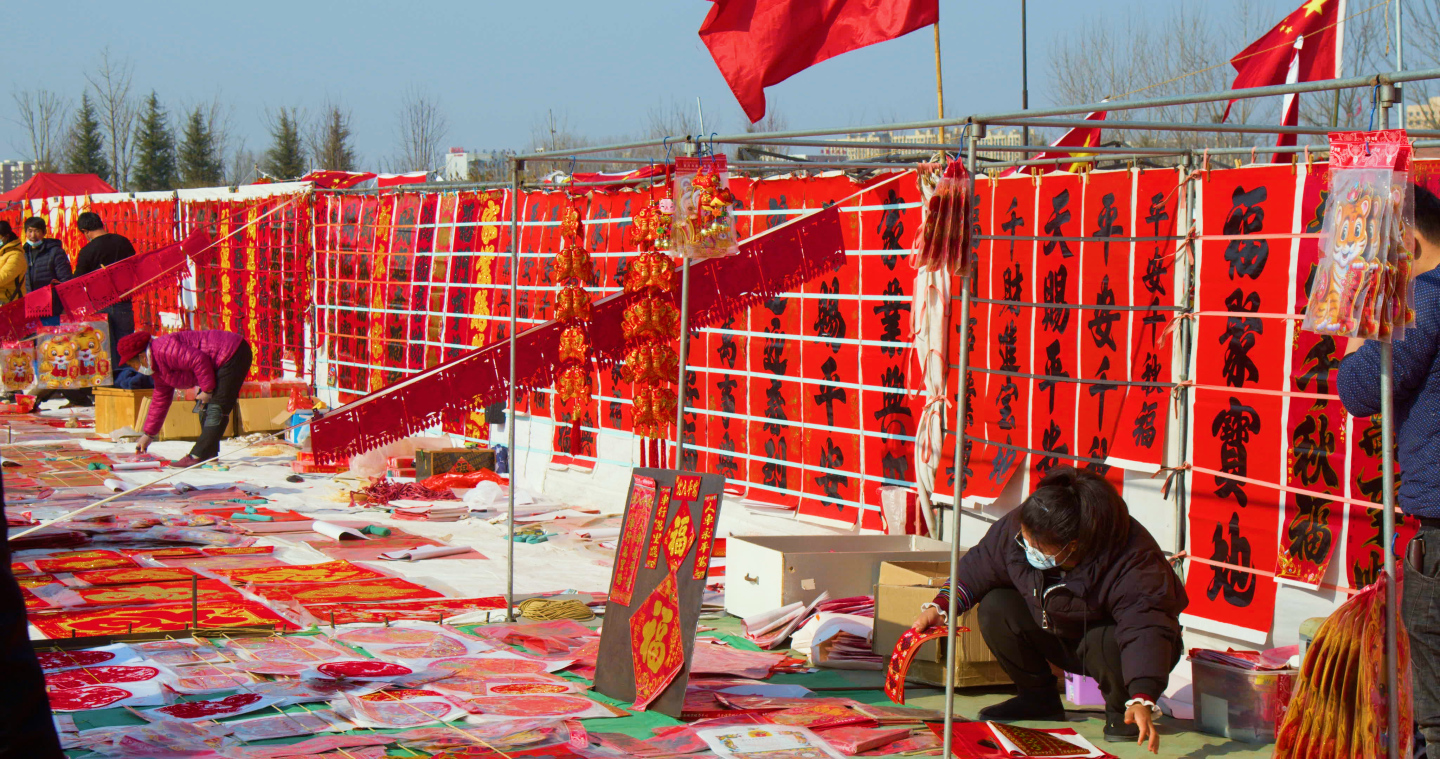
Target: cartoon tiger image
x=1346, y=269
x=18, y=370
x=92, y=353
x=59, y=364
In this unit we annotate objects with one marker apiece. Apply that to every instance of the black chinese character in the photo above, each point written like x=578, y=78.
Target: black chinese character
x=1005, y=460
x=829, y=322
x=1008, y=351
x=1101, y=388
x=1105, y=226
x=1233, y=426
x=831, y=457
x=1050, y=442
x=1059, y=215
x=893, y=403
x=829, y=394
x=1054, y=367
x=1144, y=432
x=1246, y=257
x=1009, y=393
x=1320, y=361
x=773, y=473
x=889, y=312
x=891, y=229
x=1237, y=586
x=1311, y=445
x=1309, y=531
x=1013, y=224
x=1239, y=339
x=726, y=464
x=1103, y=322
x=1055, y=319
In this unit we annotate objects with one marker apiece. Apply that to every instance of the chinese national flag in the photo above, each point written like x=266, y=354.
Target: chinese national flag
x=1267, y=60
x=757, y=43
x=1079, y=137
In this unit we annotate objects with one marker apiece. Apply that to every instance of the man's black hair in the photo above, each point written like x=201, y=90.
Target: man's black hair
x=35, y=222
x=89, y=222
x=7, y=233
x=1427, y=215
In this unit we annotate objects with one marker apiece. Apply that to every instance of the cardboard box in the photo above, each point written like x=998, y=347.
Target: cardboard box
x=259, y=414
x=903, y=587
x=452, y=460
x=765, y=573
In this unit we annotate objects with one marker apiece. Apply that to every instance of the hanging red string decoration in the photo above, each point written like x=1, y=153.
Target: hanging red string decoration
x=651, y=323
x=573, y=268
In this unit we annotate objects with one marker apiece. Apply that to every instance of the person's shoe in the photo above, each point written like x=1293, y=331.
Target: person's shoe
x=1041, y=705
x=1116, y=731
x=186, y=462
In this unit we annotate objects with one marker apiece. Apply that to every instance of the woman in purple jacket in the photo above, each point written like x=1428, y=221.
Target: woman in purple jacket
x=213, y=362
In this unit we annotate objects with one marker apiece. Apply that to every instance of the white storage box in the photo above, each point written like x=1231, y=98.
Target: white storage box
x=767, y=572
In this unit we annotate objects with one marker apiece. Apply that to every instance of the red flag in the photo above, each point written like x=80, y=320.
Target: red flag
x=1079, y=137
x=757, y=43
x=1267, y=60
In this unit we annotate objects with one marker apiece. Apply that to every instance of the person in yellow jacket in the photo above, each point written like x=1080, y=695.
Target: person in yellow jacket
x=12, y=264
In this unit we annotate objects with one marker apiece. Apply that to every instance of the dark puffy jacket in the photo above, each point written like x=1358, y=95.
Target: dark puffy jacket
x=185, y=360
x=1131, y=586
x=45, y=264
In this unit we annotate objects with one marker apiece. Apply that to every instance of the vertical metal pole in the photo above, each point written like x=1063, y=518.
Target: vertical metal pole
x=514, y=460
x=1025, y=66
x=1186, y=347
x=1400, y=59
x=961, y=403
x=939, y=83
x=1387, y=481
x=684, y=356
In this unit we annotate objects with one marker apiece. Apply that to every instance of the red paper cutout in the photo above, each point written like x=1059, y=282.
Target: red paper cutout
x=905, y=650
x=655, y=642
x=709, y=516
x=632, y=541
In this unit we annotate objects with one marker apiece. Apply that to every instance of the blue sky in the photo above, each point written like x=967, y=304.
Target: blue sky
x=497, y=67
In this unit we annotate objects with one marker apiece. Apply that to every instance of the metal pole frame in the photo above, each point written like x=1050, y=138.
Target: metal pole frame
x=1387, y=97
x=683, y=351
x=517, y=166
x=962, y=374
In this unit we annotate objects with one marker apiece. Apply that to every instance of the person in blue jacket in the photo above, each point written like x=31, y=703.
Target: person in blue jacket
x=1417, y=439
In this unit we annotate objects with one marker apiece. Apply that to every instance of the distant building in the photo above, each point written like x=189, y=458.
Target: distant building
x=15, y=173
x=1423, y=115
x=993, y=137
x=462, y=164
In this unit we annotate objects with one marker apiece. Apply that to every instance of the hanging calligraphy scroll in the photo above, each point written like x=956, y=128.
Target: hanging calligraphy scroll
x=978, y=457
x=1315, y=427
x=1006, y=409
x=1058, y=274
x=888, y=409
x=1104, y=339
x=1143, y=424
x=1243, y=293
x=1363, y=538
x=648, y=640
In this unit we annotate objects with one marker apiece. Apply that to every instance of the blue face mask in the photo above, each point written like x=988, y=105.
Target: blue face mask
x=1037, y=558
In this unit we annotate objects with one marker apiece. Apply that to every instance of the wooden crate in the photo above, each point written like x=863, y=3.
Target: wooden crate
x=116, y=408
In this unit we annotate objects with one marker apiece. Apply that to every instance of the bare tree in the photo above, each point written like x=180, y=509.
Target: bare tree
x=774, y=121
x=117, y=110
x=420, y=130
x=244, y=166
x=43, y=115
x=1422, y=35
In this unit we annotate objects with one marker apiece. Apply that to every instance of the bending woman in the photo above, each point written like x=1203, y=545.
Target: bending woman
x=213, y=362
x=1070, y=579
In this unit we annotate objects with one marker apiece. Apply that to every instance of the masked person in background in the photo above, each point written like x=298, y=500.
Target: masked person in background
x=46, y=263
x=12, y=264
x=103, y=249
x=214, y=362
x=1071, y=579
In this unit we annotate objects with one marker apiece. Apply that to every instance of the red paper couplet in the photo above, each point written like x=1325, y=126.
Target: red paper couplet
x=632, y=540
x=1140, y=431
x=709, y=515
x=1104, y=333
x=1057, y=330
x=663, y=508
x=687, y=487
x=904, y=653
x=1246, y=273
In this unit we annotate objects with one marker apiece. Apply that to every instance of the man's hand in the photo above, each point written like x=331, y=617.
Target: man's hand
x=143, y=444
x=1139, y=714
x=929, y=617
x=203, y=396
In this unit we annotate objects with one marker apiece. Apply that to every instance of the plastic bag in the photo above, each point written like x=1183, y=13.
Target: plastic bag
x=74, y=356
x=1362, y=286
x=704, y=225
x=944, y=240
x=17, y=366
